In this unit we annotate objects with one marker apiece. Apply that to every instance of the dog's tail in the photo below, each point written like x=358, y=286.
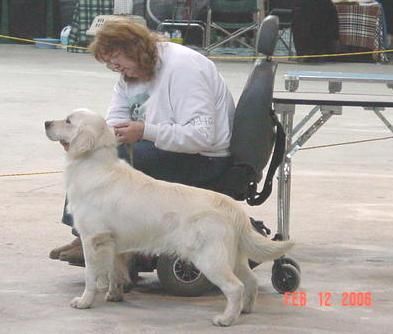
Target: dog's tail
x=259, y=248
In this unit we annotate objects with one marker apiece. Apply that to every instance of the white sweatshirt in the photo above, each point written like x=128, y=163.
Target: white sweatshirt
x=186, y=107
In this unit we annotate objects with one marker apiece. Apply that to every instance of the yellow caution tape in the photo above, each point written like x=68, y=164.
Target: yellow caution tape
x=224, y=57
x=59, y=45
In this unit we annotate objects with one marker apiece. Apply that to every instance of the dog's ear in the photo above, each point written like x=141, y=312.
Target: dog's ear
x=83, y=142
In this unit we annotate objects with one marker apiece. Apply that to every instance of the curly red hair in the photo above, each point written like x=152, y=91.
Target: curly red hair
x=133, y=39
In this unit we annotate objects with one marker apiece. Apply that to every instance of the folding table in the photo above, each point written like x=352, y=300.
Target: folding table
x=327, y=104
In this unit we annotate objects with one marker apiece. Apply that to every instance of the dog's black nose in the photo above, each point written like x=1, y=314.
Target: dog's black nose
x=47, y=124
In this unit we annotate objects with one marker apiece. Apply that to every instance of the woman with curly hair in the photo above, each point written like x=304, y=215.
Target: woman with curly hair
x=170, y=104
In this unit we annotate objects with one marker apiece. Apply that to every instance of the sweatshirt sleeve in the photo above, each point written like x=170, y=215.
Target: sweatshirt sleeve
x=118, y=110
x=192, y=99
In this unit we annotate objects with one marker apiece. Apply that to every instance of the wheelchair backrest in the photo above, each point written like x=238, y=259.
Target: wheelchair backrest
x=254, y=128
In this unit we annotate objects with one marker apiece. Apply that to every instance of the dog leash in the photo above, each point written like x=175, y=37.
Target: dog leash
x=30, y=174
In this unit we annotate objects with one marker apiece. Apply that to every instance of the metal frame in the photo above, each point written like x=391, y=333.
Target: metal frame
x=229, y=36
x=328, y=107
x=173, y=24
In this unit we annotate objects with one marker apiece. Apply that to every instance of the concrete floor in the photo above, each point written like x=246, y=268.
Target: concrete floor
x=341, y=215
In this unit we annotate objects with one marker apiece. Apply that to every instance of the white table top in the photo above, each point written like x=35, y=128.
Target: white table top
x=339, y=76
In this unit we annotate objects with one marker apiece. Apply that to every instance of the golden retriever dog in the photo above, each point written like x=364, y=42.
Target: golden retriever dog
x=118, y=209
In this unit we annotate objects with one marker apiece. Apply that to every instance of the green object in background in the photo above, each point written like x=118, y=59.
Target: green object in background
x=49, y=19
x=4, y=21
x=4, y=17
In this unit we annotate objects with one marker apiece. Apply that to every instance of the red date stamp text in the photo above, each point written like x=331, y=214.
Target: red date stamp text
x=328, y=299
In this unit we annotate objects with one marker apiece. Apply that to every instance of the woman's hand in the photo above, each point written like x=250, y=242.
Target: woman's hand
x=129, y=132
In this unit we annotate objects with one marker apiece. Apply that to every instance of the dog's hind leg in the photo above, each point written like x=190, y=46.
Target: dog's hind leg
x=216, y=267
x=249, y=279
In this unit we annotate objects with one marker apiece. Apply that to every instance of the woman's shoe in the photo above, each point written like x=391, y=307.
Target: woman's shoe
x=55, y=253
x=74, y=256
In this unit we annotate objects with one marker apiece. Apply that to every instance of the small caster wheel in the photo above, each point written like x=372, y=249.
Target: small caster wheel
x=285, y=278
x=286, y=260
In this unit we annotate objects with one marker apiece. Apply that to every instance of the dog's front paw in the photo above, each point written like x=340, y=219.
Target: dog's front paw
x=79, y=303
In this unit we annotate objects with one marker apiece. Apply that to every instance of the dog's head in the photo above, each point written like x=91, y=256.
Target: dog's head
x=81, y=132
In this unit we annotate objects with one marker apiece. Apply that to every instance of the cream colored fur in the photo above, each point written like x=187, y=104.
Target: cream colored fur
x=118, y=209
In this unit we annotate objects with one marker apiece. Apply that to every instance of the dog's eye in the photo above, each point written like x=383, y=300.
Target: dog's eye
x=68, y=121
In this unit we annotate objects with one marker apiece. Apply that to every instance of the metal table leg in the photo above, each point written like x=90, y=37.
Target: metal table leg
x=284, y=173
x=292, y=145
x=384, y=120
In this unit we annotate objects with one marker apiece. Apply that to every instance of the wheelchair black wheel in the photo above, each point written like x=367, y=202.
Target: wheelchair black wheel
x=181, y=278
x=285, y=278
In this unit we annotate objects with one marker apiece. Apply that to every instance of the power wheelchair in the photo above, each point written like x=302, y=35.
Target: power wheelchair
x=257, y=139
